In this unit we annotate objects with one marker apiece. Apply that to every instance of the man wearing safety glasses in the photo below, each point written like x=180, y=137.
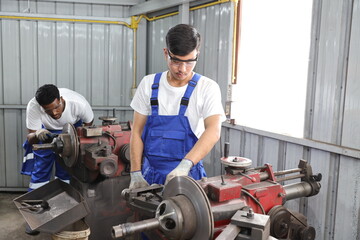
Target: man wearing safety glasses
x=46, y=115
x=177, y=115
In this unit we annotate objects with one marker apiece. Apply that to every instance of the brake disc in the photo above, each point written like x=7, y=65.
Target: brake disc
x=189, y=188
x=71, y=144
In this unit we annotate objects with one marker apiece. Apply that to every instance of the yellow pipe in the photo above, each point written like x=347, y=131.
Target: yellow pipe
x=66, y=20
x=233, y=77
x=134, y=60
x=191, y=9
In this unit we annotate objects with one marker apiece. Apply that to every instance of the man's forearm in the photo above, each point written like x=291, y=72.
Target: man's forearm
x=203, y=146
x=136, y=152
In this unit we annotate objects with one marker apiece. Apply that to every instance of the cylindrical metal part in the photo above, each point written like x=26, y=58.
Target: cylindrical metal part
x=43, y=146
x=125, y=229
x=264, y=176
x=226, y=149
x=290, y=177
x=297, y=190
x=287, y=171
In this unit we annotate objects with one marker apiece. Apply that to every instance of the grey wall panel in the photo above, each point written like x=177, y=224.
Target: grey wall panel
x=215, y=24
x=216, y=50
x=11, y=62
x=251, y=147
x=94, y=59
x=12, y=120
x=99, y=85
x=329, y=79
x=28, y=60
x=269, y=152
x=2, y=149
x=82, y=58
x=334, y=116
x=348, y=203
x=46, y=53
x=352, y=101
x=64, y=49
x=235, y=143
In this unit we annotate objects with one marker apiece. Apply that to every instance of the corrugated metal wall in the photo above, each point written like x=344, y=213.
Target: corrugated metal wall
x=95, y=60
x=332, y=124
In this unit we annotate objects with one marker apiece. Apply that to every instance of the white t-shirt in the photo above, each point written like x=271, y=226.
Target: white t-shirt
x=205, y=100
x=76, y=108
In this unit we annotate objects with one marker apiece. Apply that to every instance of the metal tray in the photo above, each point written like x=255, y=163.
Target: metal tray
x=67, y=206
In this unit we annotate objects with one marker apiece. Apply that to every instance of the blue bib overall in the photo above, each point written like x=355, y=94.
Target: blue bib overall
x=168, y=138
x=39, y=163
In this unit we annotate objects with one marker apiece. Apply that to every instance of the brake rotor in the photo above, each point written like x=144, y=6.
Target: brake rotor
x=189, y=188
x=71, y=144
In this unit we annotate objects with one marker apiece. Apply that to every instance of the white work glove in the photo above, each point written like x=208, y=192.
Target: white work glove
x=137, y=180
x=43, y=134
x=182, y=169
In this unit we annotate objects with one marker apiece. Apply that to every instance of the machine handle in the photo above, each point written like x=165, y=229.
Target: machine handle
x=226, y=149
x=43, y=146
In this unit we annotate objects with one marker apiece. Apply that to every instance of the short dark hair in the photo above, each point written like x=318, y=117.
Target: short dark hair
x=182, y=39
x=46, y=94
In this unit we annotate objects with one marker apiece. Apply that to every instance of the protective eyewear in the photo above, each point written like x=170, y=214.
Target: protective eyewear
x=177, y=62
x=52, y=109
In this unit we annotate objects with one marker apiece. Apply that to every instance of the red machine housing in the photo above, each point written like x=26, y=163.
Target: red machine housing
x=104, y=149
x=257, y=190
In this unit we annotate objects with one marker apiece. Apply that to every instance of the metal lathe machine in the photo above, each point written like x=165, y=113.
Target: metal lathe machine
x=244, y=203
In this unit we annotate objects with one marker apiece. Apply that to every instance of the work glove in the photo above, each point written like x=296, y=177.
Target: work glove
x=43, y=134
x=182, y=169
x=137, y=180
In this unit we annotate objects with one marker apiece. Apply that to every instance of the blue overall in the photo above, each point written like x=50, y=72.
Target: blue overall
x=168, y=138
x=39, y=163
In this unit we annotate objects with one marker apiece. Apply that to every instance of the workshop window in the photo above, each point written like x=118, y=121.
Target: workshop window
x=272, y=68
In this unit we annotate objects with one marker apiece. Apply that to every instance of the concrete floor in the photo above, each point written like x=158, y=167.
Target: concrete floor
x=12, y=224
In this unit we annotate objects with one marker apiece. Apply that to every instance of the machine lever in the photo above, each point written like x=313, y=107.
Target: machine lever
x=317, y=177
x=43, y=146
x=226, y=149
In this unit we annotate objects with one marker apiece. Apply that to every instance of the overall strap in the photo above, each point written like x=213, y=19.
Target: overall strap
x=185, y=99
x=154, y=95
